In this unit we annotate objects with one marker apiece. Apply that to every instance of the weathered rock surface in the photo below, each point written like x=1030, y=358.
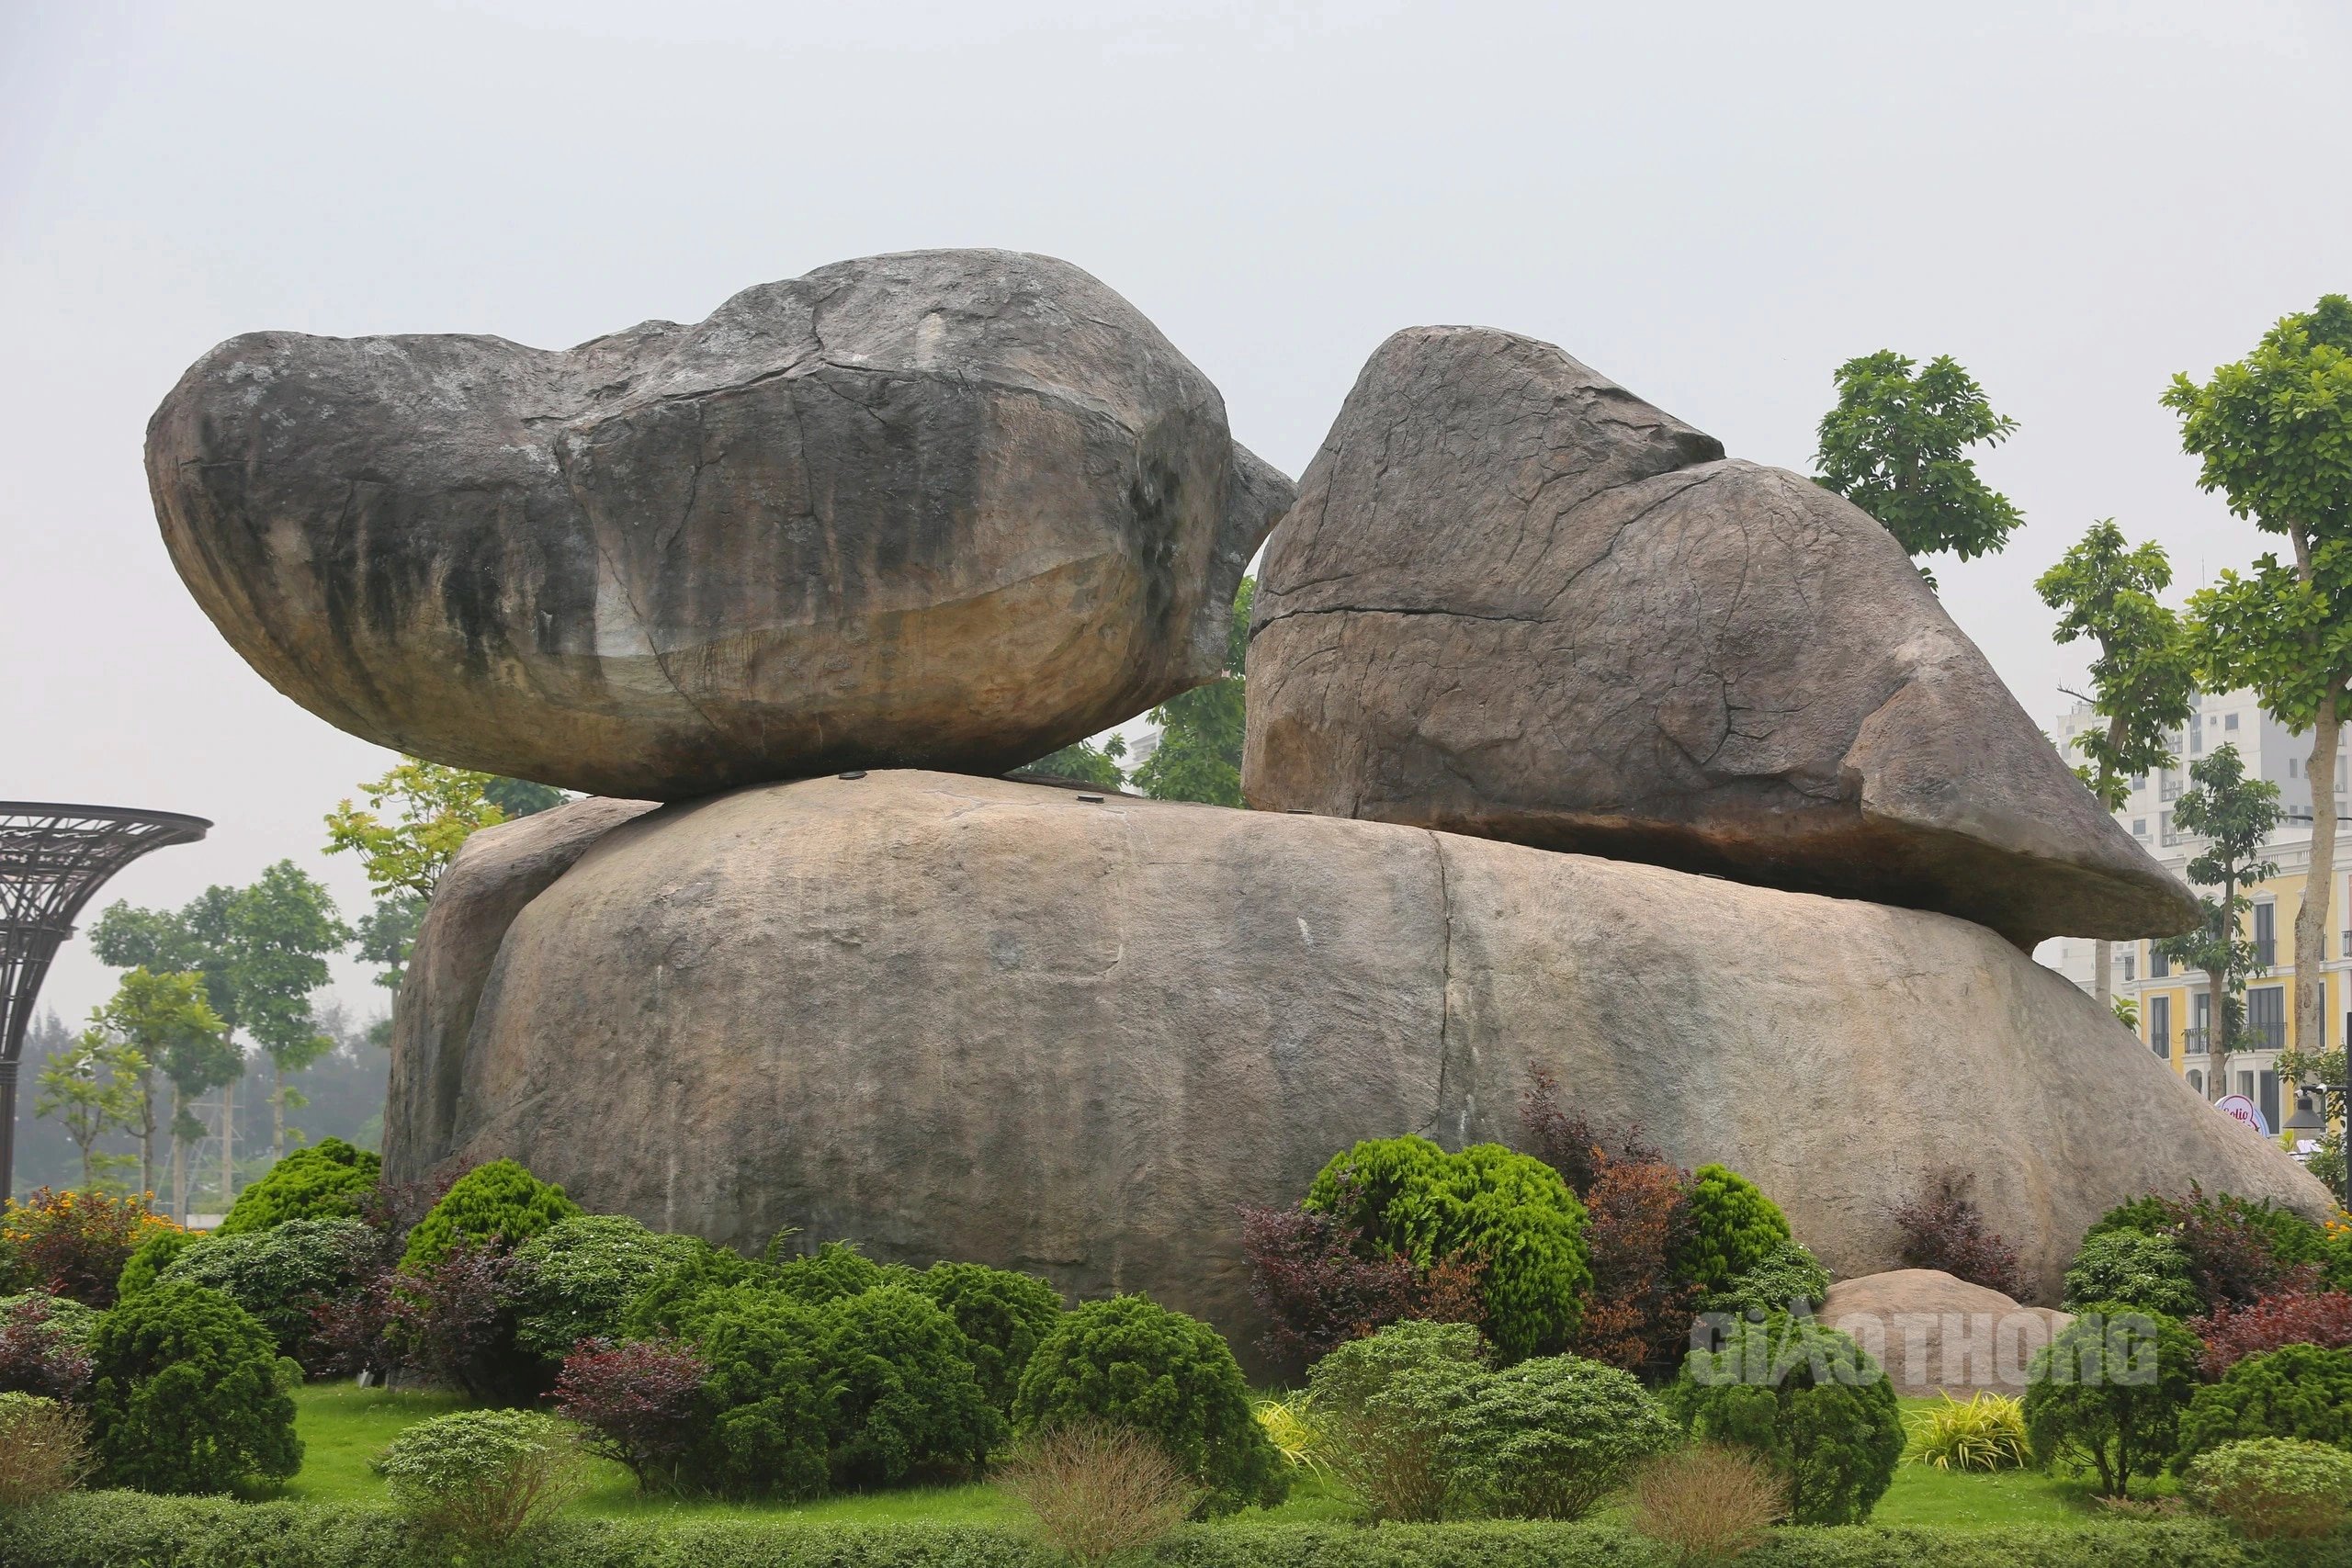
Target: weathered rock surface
x=1935, y=1333
x=959, y=1016
x=953, y=507
x=1516, y=601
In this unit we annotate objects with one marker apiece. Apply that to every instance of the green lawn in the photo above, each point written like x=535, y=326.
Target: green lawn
x=343, y=1426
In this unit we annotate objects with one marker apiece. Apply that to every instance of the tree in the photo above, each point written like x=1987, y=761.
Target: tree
x=1894, y=445
x=2143, y=680
x=521, y=797
x=168, y=1020
x=2274, y=433
x=89, y=1089
x=418, y=815
x=281, y=927
x=193, y=940
x=1199, y=756
x=2235, y=816
x=1086, y=763
x=387, y=933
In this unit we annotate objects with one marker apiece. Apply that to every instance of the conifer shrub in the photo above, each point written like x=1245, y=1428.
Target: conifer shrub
x=576, y=1280
x=500, y=1203
x=2239, y=1250
x=45, y=1345
x=186, y=1396
x=1789, y=1279
x=147, y=1264
x=2146, y=1270
x=769, y=1409
x=667, y=1308
x=1509, y=1213
x=44, y=1449
x=1551, y=1438
x=1005, y=1316
x=282, y=1273
x=2296, y=1391
x=2273, y=1488
x=2106, y=1395
x=481, y=1477
x=905, y=1400
x=1131, y=1362
x=1384, y=1404
x=1807, y=1400
x=834, y=1273
x=330, y=1180
x=1733, y=1227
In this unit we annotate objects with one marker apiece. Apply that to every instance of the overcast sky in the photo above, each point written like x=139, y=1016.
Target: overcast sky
x=1714, y=203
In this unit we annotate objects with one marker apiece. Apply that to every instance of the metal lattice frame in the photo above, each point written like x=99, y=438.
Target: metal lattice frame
x=52, y=860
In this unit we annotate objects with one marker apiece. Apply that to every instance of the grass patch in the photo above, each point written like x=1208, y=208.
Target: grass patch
x=342, y=1426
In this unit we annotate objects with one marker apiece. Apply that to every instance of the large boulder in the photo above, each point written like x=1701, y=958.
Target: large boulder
x=1935, y=1334
x=955, y=1016
x=1514, y=599
x=951, y=507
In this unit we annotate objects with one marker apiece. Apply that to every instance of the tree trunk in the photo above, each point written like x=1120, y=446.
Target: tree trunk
x=147, y=1138
x=2102, y=950
x=179, y=1161
x=228, y=1145
x=2319, y=884
x=277, y=1111
x=2217, y=1039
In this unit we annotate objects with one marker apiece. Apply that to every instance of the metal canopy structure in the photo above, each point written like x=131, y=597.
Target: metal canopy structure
x=53, y=859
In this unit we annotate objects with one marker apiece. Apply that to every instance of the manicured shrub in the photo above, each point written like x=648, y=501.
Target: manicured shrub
x=1808, y=1400
x=1943, y=1228
x=1984, y=1432
x=280, y=1274
x=2139, y=1269
x=481, y=1477
x=2274, y=1488
x=1311, y=1280
x=1510, y=1212
x=1733, y=1227
x=2239, y=1251
x=769, y=1408
x=184, y=1395
x=1568, y=1143
x=44, y=1449
x=1004, y=1315
x=1788, y=1279
x=2301, y=1317
x=1385, y=1402
x=1096, y=1490
x=1706, y=1504
x=45, y=1345
x=905, y=1399
x=835, y=1271
x=1133, y=1364
x=1550, y=1437
x=639, y=1404
x=329, y=1180
x=665, y=1309
x=575, y=1280
x=1637, y=1310
x=453, y=1321
x=73, y=1243
x=2107, y=1394
x=147, y=1265
x=2296, y=1390
x=500, y=1202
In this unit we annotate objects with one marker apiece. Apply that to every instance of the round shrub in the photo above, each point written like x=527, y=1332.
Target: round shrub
x=641, y=1404
x=665, y=1309
x=147, y=1264
x=1509, y=1214
x=835, y=1271
x=482, y=1476
x=66, y=1317
x=1005, y=1316
x=2145, y=1269
x=1787, y=1274
x=905, y=1399
x=1130, y=1362
x=1550, y=1437
x=2274, y=1488
x=500, y=1201
x=2106, y=1394
x=1809, y=1402
x=1733, y=1228
x=44, y=1345
x=279, y=1274
x=1383, y=1403
x=767, y=1406
x=2296, y=1391
x=329, y=1180
x=184, y=1395
x=576, y=1279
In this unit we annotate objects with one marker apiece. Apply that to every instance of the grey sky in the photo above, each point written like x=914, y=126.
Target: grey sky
x=1714, y=203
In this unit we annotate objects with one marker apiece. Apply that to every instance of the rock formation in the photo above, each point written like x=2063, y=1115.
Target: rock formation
x=1515, y=601
x=953, y=507
x=1935, y=1333
x=953, y=1016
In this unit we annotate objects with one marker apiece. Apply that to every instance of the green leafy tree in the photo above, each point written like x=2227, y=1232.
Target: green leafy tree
x=1896, y=447
x=1086, y=763
x=186, y=1395
x=2235, y=816
x=1199, y=754
x=169, y=1020
x=520, y=797
x=281, y=929
x=2142, y=680
x=92, y=1089
x=417, y=817
x=2274, y=432
x=2107, y=1392
x=386, y=935
x=196, y=939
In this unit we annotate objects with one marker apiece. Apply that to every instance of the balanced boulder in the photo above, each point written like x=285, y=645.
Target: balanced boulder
x=954, y=507
x=1075, y=1032
x=1513, y=600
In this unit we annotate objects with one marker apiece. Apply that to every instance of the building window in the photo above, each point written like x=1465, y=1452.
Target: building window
x=2139, y=827
x=2165, y=835
x=2229, y=721
x=2159, y=962
x=2197, y=1081
x=2160, y=1025
x=2139, y=780
x=2168, y=785
x=2265, y=935
x=2127, y=962
x=2294, y=763
x=2246, y=1085
x=2266, y=1018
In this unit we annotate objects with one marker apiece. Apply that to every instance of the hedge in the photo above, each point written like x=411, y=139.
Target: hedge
x=124, y=1530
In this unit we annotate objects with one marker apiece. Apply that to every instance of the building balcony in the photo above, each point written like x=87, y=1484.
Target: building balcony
x=2193, y=1042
